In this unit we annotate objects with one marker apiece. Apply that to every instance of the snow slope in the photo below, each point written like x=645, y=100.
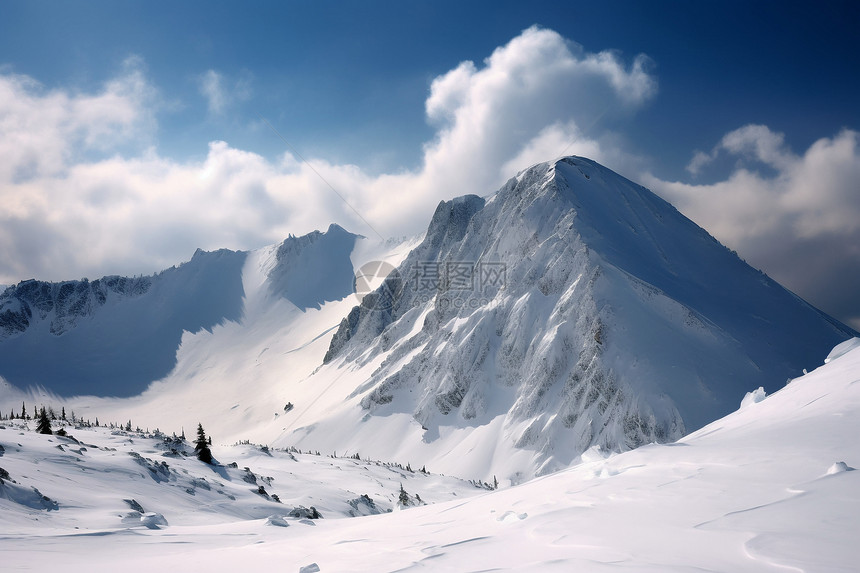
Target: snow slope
x=237, y=376
x=770, y=487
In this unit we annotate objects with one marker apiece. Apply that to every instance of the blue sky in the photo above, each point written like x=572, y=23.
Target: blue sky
x=133, y=134
x=348, y=79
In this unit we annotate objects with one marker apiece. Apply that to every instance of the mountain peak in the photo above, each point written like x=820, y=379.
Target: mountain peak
x=315, y=268
x=600, y=313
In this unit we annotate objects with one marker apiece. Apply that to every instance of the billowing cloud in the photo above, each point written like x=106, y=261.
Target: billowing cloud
x=798, y=217
x=487, y=116
x=82, y=197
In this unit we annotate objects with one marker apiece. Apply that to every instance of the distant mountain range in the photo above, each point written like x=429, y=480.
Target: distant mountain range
x=572, y=308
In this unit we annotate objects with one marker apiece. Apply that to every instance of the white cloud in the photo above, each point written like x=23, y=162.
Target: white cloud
x=211, y=87
x=68, y=215
x=219, y=96
x=489, y=115
x=700, y=159
x=799, y=220
x=527, y=103
x=754, y=142
x=42, y=132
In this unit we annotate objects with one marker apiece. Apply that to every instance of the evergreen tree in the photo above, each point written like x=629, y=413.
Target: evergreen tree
x=204, y=454
x=44, y=426
x=404, y=497
x=23, y=411
x=63, y=415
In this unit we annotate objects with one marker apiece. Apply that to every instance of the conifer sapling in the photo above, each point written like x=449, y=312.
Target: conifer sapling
x=44, y=426
x=204, y=454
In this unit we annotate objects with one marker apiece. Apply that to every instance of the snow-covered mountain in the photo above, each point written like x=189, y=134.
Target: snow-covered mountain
x=571, y=309
x=114, y=336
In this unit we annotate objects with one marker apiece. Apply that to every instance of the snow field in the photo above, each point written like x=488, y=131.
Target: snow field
x=761, y=489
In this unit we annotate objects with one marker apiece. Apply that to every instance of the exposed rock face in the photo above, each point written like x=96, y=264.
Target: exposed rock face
x=62, y=303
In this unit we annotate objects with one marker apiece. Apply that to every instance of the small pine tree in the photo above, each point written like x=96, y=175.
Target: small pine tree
x=44, y=426
x=404, y=497
x=204, y=454
x=63, y=414
x=23, y=411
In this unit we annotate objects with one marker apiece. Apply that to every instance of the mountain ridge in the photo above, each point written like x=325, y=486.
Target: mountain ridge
x=570, y=309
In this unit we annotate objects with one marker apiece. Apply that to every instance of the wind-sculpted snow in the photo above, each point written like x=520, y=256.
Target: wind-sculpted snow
x=581, y=309
x=115, y=335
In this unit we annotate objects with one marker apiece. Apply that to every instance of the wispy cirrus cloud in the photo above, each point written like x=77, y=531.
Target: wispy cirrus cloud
x=220, y=92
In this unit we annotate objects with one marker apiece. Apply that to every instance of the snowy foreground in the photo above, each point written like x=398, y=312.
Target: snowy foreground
x=768, y=488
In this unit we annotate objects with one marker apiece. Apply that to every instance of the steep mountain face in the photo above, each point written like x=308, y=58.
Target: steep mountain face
x=578, y=309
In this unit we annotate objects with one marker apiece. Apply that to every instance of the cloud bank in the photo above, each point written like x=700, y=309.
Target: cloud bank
x=83, y=197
